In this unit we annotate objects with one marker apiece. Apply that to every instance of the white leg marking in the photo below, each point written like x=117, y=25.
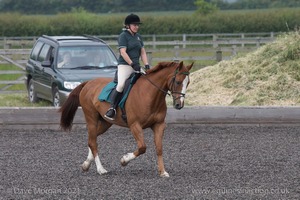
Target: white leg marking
x=126, y=158
x=164, y=174
x=100, y=168
x=86, y=164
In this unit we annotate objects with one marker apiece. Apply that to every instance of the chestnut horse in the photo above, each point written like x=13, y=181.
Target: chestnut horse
x=145, y=107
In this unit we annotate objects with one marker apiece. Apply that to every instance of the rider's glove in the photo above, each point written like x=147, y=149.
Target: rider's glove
x=136, y=67
x=147, y=67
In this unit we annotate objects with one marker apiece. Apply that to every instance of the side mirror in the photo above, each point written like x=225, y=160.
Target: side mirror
x=46, y=63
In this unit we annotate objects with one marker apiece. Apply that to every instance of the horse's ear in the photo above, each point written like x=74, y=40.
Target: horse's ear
x=180, y=65
x=189, y=67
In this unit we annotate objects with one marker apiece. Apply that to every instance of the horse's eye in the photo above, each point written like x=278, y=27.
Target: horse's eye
x=178, y=82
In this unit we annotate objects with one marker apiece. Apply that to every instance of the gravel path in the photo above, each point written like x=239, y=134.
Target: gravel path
x=204, y=162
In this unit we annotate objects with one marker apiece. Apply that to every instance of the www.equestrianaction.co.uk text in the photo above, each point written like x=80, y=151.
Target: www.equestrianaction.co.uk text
x=250, y=191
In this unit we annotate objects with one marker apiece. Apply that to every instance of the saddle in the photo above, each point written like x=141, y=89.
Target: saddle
x=106, y=91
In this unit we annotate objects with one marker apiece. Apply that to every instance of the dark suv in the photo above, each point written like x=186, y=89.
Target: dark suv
x=58, y=64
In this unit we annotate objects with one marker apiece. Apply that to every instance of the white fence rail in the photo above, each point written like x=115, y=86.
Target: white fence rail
x=158, y=41
x=207, y=40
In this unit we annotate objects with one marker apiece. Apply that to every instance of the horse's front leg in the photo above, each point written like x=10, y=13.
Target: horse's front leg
x=138, y=134
x=158, y=130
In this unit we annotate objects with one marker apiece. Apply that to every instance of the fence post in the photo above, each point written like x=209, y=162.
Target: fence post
x=219, y=55
x=176, y=52
x=184, y=41
x=258, y=42
x=233, y=53
x=149, y=55
x=215, y=43
x=243, y=37
x=6, y=45
x=4, y=42
x=154, y=41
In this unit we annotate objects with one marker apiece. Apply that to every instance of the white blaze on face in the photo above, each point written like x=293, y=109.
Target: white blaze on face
x=184, y=87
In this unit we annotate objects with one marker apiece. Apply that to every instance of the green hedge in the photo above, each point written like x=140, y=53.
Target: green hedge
x=77, y=23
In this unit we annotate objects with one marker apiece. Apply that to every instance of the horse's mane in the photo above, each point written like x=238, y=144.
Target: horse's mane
x=160, y=66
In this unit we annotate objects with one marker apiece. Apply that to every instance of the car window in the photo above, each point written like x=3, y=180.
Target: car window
x=44, y=53
x=36, y=50
x=84, y=56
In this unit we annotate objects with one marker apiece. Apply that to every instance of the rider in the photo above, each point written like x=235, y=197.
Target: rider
x=131, y=49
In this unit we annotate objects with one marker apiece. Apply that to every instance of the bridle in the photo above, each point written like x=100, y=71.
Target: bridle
x=173, y=82
x=171, y=85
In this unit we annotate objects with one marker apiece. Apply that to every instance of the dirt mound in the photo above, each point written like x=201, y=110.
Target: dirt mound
x=268, y=76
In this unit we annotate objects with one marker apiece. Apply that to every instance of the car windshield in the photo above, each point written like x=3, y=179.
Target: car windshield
x=86, y=57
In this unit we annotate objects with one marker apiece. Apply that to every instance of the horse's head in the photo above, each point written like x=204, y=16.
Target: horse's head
x=178, y=84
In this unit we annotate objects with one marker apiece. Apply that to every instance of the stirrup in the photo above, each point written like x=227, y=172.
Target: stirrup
x=110, y=114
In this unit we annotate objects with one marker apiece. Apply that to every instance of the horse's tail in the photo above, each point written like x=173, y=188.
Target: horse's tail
x=69, y=108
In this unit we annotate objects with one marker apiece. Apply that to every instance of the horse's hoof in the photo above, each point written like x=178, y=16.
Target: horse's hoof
x=102, y=172
x=165, y=175
x=85, y=167
x=126, y=158
x=123, y=162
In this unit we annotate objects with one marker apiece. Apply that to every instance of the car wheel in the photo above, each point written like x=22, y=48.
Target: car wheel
x=32, y=93
x=56, y=98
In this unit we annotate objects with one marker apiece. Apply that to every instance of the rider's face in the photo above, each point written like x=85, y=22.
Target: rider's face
x=134, y=27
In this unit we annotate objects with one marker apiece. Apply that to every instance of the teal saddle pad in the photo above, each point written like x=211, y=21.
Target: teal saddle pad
x=106, y=91
x=104, y=95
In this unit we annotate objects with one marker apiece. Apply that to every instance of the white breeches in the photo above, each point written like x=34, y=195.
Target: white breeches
x=124, y=71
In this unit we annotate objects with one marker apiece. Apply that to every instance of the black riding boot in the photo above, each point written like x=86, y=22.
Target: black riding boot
x=115, y=99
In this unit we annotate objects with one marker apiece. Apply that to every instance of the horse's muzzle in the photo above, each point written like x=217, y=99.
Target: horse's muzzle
x=178, y=106
x=178, y=102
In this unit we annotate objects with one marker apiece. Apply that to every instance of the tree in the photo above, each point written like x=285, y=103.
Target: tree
x=205, y=7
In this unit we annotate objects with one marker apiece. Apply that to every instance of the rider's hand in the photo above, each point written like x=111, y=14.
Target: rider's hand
x=136, y=67
x=147, y=67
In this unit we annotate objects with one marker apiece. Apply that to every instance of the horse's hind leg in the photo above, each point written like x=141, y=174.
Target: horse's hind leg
x=94, y=131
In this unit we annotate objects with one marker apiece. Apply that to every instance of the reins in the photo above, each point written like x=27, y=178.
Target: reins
x=172, y=86
x=165, y=92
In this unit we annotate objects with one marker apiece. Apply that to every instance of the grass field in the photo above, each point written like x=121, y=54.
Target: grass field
x=20, y=100
x=11, y=77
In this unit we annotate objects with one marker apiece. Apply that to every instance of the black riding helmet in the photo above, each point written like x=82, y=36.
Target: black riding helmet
x=132, y=19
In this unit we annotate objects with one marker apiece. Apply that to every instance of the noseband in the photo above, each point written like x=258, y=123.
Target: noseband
x=171, y=85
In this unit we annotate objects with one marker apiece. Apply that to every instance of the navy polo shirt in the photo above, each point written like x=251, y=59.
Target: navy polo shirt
x=133, y=45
